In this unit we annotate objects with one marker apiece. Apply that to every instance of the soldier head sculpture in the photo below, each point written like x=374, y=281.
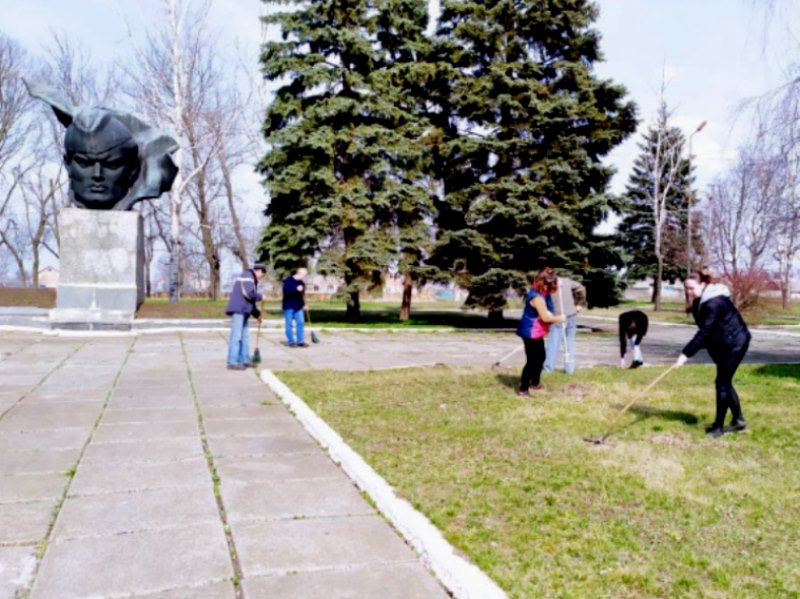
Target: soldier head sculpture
x=113, y=159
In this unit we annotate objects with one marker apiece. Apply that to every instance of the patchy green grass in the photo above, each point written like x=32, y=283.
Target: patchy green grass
x=769, y=312
x=659, y=511
x=29, y=298
x=333, y=315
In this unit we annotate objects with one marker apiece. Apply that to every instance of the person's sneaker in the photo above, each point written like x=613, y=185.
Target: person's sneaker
x=738, y=425
x=303, y=345
x=636, y=364
x=538, y=387
x=521, y=393
x=715, y=432
x=236, y=367
x=249, y=365
x=291, y=344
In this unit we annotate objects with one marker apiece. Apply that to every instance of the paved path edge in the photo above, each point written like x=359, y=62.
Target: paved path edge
x=459, y=576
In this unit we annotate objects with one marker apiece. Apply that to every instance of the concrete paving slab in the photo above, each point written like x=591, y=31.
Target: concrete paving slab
x=155, y=401
x=153, y=450
x=151, y=415
x=277, y=422
x=135, y=476
x=395, y=581
x=37, y=462
x=243, y=412
x=24, y=522
x=27, y=416
x=275, y=468
x=214, y=590
x=12, y=440
x=295, y=545
x=144, y=431
x=129, y=512
x=292, y=499
x=136, y=563
x=297, y=441
x=32, y=487
x=229, y=398
x=16, y=567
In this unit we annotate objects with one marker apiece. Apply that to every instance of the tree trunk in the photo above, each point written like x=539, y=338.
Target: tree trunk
x=496, y=317
x=353, y=307
x=408, y=287
x=240, y=249
x=657, y=284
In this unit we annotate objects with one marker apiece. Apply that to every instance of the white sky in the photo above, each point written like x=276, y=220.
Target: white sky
x=716, y=54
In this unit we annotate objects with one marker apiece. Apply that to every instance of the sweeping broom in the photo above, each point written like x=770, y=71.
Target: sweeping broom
x=257, y=354
x=314, y=338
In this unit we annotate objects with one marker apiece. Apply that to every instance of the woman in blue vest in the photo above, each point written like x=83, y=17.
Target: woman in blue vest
x=537, y=316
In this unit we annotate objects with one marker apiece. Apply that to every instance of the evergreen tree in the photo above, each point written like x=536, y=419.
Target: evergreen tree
x=659, y=191
x=636, y=230
x=525, y=123
x=344, y=149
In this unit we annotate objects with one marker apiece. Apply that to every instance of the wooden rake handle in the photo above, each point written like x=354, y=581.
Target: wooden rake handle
x=638, y=398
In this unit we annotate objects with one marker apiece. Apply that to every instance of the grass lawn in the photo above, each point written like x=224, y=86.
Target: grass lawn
x=659, y=511
x=768, y=313
x=332, y=314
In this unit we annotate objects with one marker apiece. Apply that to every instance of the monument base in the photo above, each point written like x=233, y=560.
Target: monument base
x=101, y=279
x=76, y=319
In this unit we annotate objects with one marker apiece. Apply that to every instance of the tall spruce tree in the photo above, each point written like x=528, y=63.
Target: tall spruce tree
x=402, y=77
x=344, y=148
x=525, y=123
x=636, y=230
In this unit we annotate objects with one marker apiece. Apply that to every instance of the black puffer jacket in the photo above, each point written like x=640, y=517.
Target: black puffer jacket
x=720, y=326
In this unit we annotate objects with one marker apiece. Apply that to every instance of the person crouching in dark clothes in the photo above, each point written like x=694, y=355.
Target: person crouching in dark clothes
x=723, y=333
x=537, y=315
x=632, y=329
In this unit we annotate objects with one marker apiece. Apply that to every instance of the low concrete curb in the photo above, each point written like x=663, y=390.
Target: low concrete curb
x=462, y=578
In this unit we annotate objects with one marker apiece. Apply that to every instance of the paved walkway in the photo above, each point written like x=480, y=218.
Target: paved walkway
x=138, y=467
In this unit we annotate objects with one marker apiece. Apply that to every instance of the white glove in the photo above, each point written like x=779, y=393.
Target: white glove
x=681, y=360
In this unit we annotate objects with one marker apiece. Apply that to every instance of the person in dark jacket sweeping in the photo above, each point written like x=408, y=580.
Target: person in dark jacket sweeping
x=537, y=315
x=632, y=329
x=241, y=306
x=723, y=333
x=294, y=292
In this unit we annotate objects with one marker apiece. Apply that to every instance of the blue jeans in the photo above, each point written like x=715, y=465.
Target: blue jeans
x=560, y=333
x=239, y=341
x=297, y=317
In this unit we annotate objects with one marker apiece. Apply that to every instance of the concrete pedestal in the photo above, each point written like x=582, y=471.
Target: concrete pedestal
x=101, y=279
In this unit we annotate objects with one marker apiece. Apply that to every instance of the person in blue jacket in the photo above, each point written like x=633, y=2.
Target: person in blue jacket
x=241, y=306
x=724, y=334
x=537, y=316
x=294, y=291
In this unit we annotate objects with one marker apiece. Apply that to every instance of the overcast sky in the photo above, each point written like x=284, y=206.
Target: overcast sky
x=715, y=54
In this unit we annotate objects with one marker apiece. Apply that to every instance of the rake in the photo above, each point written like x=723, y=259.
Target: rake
x=645, y=391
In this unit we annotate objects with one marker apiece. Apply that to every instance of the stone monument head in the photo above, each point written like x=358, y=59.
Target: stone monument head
x=113, y=159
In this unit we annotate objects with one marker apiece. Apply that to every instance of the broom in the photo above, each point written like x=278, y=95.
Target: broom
x=257, y=354
x=314, y=338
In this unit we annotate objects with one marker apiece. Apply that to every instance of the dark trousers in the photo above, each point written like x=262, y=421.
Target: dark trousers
x=534, y=352
x=727, y=361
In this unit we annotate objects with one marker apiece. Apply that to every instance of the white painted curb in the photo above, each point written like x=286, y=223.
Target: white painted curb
x=462, y=578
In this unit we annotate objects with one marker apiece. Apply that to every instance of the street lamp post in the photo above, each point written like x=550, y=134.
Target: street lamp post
x=689, y=203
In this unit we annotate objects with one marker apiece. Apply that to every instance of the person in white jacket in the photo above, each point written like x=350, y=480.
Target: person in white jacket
x=569, y=300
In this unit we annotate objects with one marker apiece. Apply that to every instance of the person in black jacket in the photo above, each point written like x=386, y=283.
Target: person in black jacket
x=632, y=329
x=294, y=292
x=723, y=333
